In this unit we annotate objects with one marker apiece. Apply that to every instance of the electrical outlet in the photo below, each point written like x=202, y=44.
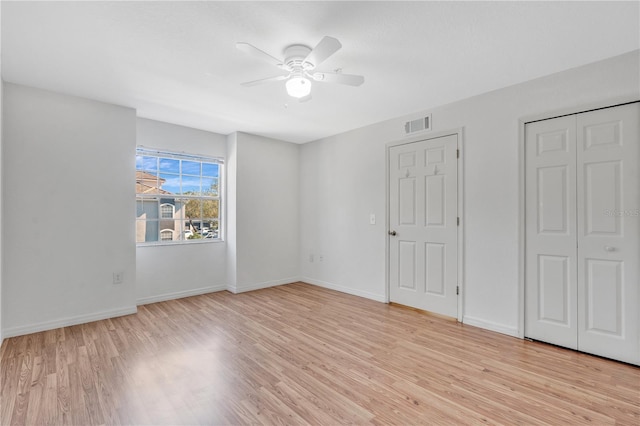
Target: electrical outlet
x=310, y=258
x=321, y=258
x=118, y=277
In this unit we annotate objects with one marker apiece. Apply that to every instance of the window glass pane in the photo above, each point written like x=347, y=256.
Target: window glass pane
x=144, y=162
x=170, y=183
x=139, y=208
x=190, y=168
x=210, y=209
x=191, y=185
x=146, y=209
x=209, y=169
x=146, y=182
x=146, y=230
x=180, y=231
x=169, y=165
x=199, y=225
x=178, y=209
x=210, y=186
x=191, y=230
x=214, y=231
x=193, y=209
x=140, y=231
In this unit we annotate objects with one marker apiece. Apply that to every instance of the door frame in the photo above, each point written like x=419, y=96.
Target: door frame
x=459, y=132
x=607, y=103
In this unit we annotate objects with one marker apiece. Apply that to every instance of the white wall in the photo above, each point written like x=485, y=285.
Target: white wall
x=68, y=202
x=265, y=212
x=343, y=180
x=168, y=272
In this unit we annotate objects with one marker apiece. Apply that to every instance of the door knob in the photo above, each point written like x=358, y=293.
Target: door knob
x=609, y=248
x=392, y=233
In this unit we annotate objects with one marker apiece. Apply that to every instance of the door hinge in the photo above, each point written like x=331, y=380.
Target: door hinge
x=457, y=153
x=458, y=290
x=458, y=220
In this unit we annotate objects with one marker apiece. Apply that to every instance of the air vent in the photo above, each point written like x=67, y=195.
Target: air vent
x=421, y=124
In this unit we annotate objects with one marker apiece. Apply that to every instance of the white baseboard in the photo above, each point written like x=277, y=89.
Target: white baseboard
x=348, y=290
x=251, y=287
x=180, y=294
x=489, y=325
x=65, y=322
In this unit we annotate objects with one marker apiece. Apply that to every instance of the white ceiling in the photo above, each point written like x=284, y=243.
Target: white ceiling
x=177, y=61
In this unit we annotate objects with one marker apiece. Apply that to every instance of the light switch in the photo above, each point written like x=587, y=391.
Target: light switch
x=372, y=219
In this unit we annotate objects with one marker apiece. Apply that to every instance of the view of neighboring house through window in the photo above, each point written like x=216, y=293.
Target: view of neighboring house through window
x=177, y=197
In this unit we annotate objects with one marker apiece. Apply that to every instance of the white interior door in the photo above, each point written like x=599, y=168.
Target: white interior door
x=551, y=292
x=609, y=232
x=582, y=246
x=423, y=245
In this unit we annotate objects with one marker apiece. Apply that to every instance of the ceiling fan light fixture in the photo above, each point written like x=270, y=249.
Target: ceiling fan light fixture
x=298, y=87
x=300, y=62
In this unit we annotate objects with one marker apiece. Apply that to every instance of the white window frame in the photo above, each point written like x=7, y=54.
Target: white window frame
x=161, y=200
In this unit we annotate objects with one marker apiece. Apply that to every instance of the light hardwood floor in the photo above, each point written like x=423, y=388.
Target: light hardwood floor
x=299, y=354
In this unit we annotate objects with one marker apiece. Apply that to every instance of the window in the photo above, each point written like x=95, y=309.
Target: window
x=166, y=211
x=177, y=197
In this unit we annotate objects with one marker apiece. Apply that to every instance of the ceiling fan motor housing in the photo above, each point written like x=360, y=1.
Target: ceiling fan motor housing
x=295, y=57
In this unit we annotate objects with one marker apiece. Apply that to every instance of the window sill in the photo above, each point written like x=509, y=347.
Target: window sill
x=180, y=243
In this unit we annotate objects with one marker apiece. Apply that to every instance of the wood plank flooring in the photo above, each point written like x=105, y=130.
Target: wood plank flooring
x=300, y=354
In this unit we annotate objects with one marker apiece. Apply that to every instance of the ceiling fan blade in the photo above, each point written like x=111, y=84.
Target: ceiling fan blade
x=265, y=80
x=327, y=47
x=251, y=50
x=304, y=98
x=331, y=77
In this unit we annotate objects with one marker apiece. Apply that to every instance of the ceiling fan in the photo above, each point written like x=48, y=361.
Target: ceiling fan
x=300, y=63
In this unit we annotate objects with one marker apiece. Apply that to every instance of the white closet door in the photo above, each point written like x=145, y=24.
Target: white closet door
x=609, y=232
x=550, y=297
x=582, y=288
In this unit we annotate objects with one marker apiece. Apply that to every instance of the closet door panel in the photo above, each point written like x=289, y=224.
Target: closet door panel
x=550, y=297
x=608, y=231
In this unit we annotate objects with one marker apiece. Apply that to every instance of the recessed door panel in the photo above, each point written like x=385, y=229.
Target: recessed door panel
x=551, y=142
x=407, y=260
x=435, y=268
x=554, y=289
x=604, y=295
x=435, y=200
x=434, y=156
x=602, y=135
x=407, y=159
x=602, y=195
x=552, y=199
x=407, y=201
